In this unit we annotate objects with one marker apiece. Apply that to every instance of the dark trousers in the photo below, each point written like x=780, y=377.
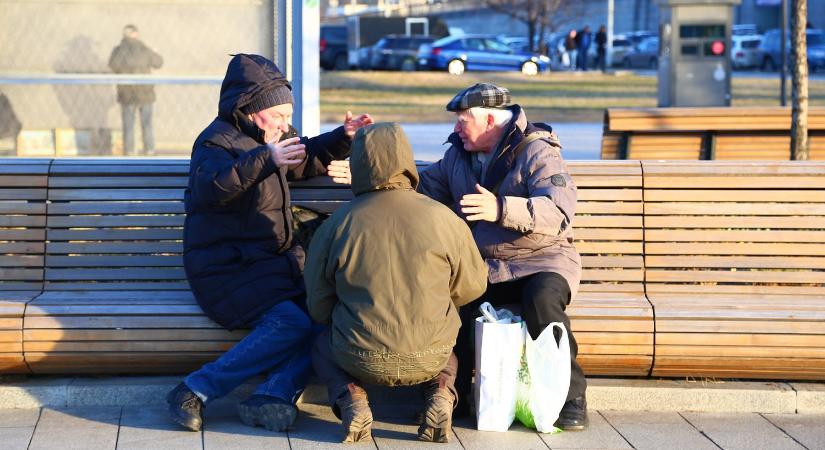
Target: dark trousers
x=543, y=298
x=601, y=59
x=127, y=111
x=337, y=379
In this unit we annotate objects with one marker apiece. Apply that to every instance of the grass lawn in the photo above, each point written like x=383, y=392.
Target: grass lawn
x=553, y=97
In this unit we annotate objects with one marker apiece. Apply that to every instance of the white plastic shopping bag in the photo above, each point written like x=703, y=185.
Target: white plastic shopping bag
x=499, y=343
x=544, y=379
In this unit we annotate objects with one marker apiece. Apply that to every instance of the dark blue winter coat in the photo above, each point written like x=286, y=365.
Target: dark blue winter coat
x=239, y=254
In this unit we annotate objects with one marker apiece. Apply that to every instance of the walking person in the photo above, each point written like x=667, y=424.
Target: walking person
x=569, y=57
x=132, y=56
x=240, y=256
x=506, y=177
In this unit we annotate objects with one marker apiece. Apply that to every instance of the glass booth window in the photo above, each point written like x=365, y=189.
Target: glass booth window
x=702, y=31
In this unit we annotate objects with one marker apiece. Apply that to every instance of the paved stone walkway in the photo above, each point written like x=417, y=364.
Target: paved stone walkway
x=147, y=427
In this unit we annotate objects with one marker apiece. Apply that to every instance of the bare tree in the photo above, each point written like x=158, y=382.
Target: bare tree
x=799, y=80
x=540, y=16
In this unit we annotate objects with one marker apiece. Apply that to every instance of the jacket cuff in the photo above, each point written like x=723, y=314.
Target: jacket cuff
x=515, y=214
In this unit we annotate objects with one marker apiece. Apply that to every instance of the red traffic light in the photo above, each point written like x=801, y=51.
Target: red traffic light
x=717, y=48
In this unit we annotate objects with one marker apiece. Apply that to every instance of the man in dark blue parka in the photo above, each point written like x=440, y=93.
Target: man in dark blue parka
x=241, y=260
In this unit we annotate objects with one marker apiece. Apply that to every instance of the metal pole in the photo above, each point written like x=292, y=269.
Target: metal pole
x=609, y=50
x=305, y=31
x=783, y=56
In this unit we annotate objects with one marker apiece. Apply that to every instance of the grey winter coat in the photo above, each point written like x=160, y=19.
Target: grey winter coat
x=537, y=198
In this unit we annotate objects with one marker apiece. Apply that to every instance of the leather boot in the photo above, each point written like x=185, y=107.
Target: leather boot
x=573, y=415
x=356, y=416
x=271, y=413
x=185, y=408
x=438, y=417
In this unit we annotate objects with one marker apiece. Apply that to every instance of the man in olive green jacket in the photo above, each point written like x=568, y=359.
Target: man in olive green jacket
x=388, y=272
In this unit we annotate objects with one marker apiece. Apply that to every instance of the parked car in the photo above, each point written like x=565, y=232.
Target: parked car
x=333, y=46
x=397, y=52
x=744, y=51
x=457, y=54
x=621, y=47
x=769, y=50
x=644, y=55
x=744, y=29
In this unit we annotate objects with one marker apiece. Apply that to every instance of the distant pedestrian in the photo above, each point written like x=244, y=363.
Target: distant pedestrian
x=132, y=56
x=601, y=49
x=10, y=125
x=583, y=40
x=569, y=55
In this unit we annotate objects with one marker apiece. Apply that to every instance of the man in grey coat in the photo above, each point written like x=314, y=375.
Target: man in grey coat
x=505, y=176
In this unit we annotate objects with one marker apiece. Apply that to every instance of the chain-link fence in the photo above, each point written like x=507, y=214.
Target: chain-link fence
x=59, y=82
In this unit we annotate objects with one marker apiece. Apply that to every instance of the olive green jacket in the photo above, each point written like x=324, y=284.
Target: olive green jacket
x=389, y=270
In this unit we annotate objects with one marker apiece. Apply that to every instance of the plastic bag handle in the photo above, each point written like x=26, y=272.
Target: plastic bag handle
x=488, y=312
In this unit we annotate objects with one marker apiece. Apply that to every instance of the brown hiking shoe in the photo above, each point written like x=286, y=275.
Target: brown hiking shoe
x=438, y=417
x=356, y=416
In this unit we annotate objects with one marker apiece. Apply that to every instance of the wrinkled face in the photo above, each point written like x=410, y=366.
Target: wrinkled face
x=274, y=121
x=479, y=134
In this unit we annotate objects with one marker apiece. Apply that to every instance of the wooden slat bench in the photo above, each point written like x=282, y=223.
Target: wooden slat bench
x=22, y=240
x=115, y=297
x=735, y=268
x=735, y=133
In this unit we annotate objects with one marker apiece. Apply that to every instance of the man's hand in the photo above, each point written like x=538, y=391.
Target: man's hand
x=481, y=206
x=352, y=125
x=288, y=152
x=339, y=171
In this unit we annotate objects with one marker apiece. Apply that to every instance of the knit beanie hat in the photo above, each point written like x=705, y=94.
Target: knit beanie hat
x=277, y=95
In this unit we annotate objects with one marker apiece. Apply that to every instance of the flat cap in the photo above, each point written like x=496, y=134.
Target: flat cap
x=485, y=95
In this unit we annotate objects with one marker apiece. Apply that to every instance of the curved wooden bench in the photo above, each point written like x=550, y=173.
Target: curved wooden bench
x=735, y=261
x=115, y=297
x=731, y=133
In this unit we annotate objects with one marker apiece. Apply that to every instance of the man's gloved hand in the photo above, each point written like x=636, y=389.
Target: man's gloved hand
x=481, y=206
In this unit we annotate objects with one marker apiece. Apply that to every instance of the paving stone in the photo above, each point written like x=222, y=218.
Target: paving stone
x=741, y=431
x=810, y=398
x=226, y=432
x=14, y=438
x=150, y=428
x=517, y=437
x=77, y=428
x=680, y=395
x=119, y=391
x=15, y=418
x=808, y=429
x=318, y=428
x=34, y=393
x=599, y=434
x=404, y=436
x=657, y=430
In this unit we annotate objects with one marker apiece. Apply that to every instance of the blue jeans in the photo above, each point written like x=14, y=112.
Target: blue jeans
x=279, y=344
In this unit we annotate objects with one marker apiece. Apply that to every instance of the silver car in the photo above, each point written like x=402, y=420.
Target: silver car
x=744, y=52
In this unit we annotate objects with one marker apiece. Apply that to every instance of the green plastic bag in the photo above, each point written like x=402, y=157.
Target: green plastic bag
x=543, y=379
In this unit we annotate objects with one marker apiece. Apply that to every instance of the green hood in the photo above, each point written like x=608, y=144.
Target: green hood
x=382, y=159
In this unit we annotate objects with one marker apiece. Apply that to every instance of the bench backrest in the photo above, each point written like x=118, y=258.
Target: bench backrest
x=737, y=228
x=737, y=133
x=116, y=224
x=608, y=225
x=22, y=223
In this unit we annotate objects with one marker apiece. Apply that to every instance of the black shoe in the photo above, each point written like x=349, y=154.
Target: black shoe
x=271, y=413
x=185, y=408
x=573, y=415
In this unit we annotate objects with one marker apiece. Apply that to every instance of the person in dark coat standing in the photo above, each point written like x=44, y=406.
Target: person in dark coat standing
x=132, y=56
x=584, y=39
x=241, y=260
x=601, y=49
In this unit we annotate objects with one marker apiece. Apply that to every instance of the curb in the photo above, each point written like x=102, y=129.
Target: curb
x=602, y=394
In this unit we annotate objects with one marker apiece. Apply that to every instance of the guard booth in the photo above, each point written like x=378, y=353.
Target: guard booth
x=694, y=52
